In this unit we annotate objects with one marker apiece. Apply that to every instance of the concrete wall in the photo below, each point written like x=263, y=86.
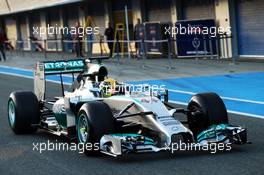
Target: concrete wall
x=158, y=11
x=11, y=29
x=16, y=6
x=137, y=11
x=222, y=15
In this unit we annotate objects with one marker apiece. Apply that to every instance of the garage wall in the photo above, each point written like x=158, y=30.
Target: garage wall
x=198, y=9
x=158, y=10
x=11, y=30
x=53, y=19
x=97, y=11
x=34, y=19
x=72, y=16
x=250, y=25
x=223, y=19
x=23, y=31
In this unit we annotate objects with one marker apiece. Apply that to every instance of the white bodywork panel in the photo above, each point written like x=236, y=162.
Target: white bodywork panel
x=161, y=122
x=39, y=81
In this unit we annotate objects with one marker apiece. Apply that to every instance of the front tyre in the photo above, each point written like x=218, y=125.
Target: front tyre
x=94, y=120
x=206, y=109
x=23, y=112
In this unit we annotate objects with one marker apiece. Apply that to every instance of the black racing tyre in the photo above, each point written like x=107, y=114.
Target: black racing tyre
x=23, y=112
x=206, y=109
x=94, y=120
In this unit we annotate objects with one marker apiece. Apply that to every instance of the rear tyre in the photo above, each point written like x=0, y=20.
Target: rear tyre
x=23, y=112
x=205, y=110
x=94, y=120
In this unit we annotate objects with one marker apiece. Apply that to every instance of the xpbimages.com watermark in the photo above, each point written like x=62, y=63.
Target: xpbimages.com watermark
x=197, y=30
x=212, y=147
x=60, y=146
x=63, y=30
x=143, y=89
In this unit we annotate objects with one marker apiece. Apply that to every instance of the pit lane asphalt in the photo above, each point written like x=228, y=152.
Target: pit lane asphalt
x=17, y=156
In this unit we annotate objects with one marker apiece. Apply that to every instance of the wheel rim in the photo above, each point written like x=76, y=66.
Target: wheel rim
x=83, y=129
x=11, y=113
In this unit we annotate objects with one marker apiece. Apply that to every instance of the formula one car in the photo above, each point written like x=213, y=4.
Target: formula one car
x=119, y=120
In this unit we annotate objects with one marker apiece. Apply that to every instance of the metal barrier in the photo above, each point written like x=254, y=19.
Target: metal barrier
x=64, y=47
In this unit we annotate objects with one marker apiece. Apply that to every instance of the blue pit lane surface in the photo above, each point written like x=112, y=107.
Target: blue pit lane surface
x=242, y=93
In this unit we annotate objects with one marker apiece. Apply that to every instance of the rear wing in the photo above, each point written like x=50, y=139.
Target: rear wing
x=60, y=67
x=64, y=66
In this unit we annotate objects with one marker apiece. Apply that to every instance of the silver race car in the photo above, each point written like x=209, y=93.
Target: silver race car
x=114, y=117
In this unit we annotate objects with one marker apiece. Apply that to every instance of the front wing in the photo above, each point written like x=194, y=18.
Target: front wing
x=121, y=144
